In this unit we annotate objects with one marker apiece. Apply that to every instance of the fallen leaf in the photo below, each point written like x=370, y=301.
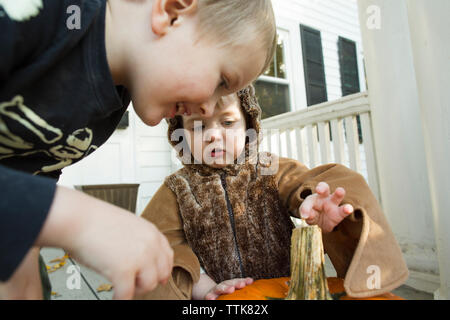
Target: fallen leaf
x=62, y=259
x=104, y=287
x=61, y=262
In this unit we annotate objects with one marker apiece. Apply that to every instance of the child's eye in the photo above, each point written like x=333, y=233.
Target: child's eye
x=224, y=83
x=228, y=123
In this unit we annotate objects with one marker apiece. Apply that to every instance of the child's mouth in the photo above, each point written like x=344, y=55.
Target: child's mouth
x=182, y=110
x=179, y=109
x=217, y=153
x=173, y=112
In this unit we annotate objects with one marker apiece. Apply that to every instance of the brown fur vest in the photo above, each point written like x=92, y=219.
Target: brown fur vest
x=234, y=220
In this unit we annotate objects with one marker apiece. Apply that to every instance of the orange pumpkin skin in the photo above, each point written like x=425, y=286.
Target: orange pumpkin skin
x=260, y=290
x=265, y=289
x=336, y=285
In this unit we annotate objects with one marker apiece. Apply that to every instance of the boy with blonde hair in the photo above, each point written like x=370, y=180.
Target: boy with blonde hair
x=68, y=71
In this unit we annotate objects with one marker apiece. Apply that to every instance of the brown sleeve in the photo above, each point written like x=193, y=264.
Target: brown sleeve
x=163, y=211
x=296, y=182
x=361, y=240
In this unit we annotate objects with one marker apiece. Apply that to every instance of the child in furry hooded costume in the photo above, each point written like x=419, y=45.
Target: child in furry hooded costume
x=234, y=220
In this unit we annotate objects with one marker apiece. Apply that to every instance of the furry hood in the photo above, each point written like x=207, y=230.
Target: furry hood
x=252, y=113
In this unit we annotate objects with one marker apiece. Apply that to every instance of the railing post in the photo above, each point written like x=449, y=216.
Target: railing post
x=311, y=133
x=337, y=131
x=372, y=172
x=351, y=130
x=324, y=138
x=300, y=145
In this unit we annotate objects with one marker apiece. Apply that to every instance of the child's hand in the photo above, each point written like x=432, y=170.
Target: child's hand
x=227, y=287
x=25, y=283
x=323, y=209
x=128, y=250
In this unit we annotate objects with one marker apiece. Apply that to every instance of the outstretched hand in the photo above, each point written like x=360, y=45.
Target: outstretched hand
x=324, y=209
x=227, y=287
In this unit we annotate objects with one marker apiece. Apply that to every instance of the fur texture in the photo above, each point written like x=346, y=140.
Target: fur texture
x=262, y=224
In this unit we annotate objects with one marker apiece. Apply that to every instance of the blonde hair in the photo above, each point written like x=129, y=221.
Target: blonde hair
x=239, y=21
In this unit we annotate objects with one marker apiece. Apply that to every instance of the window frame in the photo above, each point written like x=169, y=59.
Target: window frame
x=284, y=34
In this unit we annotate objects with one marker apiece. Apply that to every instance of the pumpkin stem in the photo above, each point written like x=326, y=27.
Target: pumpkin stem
x=308, y=278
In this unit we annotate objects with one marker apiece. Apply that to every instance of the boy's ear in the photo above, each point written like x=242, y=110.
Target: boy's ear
x=166, y=13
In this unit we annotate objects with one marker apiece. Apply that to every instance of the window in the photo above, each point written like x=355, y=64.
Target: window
x=316, y=87
x=273, y=87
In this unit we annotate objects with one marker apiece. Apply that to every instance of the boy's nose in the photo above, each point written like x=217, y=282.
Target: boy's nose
x=207, y=108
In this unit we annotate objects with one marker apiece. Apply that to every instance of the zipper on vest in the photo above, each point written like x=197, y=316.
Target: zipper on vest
x=233, y=227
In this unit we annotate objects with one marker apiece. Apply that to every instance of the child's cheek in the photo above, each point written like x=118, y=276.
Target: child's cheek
x=198, y=150
x=193, y=144
x=236, y=142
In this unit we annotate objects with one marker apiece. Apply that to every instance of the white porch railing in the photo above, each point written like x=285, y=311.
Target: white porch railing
x=305, y=135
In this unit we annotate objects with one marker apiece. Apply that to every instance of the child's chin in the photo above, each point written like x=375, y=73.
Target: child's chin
x=218, y=165
x=152, y=122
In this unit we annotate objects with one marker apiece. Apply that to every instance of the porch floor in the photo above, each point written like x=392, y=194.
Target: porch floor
x=90, y=281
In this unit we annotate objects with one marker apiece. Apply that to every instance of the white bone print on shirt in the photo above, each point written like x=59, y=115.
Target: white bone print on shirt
x=21, y=10
x=76, y=146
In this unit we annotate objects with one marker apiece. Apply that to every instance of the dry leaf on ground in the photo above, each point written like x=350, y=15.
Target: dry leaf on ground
x=61, y=262
x=104, y=287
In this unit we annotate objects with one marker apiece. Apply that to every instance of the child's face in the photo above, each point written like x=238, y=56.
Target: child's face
x=175, y=74
x=217, y=140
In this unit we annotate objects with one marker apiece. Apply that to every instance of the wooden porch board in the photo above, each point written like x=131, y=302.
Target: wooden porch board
x=89, y=280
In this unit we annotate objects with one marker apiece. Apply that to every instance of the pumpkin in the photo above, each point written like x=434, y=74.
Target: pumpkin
x=277, y=288
x=309, y=281
x=261, y=289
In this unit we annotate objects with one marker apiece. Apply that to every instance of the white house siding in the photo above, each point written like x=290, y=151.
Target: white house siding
x=153, y=159
x=333, y=18
x=113, y=162
x=137, y=154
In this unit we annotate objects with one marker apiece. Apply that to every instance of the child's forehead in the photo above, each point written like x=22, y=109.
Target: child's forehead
x=228, y=102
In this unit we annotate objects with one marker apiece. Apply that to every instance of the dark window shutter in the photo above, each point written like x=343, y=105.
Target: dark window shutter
x=316, y=87
x=348, y=63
